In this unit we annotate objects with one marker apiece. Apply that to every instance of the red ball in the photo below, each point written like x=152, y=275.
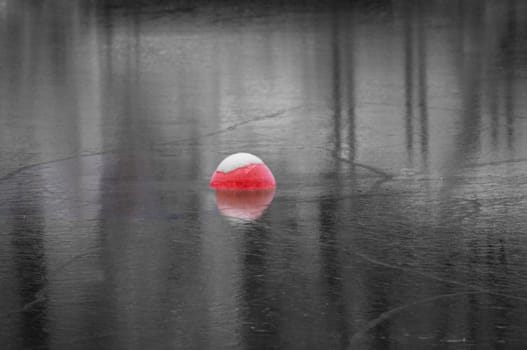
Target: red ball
x=242, y=171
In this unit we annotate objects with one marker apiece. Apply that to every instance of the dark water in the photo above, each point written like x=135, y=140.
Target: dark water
x=396, y=131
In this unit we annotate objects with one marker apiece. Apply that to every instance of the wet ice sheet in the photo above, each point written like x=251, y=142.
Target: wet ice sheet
x=394, y=131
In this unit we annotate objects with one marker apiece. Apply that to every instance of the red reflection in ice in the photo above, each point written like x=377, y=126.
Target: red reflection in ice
x=244, y=204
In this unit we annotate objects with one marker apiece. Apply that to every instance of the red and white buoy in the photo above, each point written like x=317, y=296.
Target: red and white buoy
x=242, y=171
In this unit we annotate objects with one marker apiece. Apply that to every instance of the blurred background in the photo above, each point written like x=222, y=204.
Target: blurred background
x=396, y=131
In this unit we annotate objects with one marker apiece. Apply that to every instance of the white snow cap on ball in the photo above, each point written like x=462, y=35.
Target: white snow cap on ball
x=238, y=160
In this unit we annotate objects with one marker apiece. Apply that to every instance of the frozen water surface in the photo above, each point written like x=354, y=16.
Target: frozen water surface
x=396, y=131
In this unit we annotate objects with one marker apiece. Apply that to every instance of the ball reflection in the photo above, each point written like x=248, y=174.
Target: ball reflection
x=244, y=204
